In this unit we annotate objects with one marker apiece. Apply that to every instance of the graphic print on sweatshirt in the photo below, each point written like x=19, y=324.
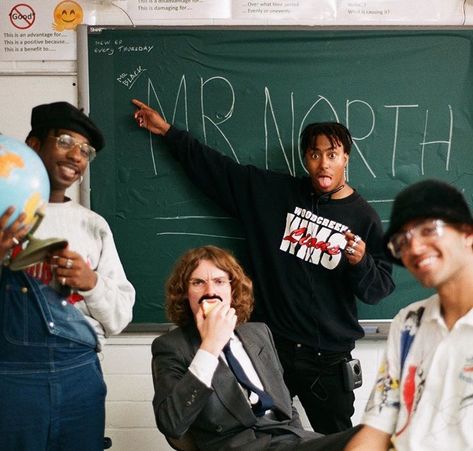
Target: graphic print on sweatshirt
x=314, y=239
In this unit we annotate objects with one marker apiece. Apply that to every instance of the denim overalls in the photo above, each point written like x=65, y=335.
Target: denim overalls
x=52, y=392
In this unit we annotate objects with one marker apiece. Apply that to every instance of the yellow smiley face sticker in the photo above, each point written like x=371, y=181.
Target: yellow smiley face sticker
x=67, y=15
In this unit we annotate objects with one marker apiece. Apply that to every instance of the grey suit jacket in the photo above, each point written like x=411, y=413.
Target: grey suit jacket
x=218, y=417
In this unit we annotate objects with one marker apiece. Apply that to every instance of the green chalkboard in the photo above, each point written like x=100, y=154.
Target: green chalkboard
x=406, y=95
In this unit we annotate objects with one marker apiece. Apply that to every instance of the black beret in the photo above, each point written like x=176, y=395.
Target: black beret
x=66, y=116
x=427, y=199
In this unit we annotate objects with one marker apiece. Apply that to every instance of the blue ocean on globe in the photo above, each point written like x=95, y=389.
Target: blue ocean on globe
x=24, y=182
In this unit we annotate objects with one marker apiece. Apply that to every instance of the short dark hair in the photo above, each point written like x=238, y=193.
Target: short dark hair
x=177, y=304
x=335, y=132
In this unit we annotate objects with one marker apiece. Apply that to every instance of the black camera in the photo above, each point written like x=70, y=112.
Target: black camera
x=352, y=376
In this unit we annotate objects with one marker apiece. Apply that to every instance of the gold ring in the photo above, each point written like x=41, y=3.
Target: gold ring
x=68, y=263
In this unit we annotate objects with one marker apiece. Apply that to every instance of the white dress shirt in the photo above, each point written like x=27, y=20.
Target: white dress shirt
x=204, y=364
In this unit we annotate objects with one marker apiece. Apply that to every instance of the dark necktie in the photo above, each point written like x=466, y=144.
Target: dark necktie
x=265, y=401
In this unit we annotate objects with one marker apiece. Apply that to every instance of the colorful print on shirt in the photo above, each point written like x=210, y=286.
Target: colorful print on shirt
x=313, y=238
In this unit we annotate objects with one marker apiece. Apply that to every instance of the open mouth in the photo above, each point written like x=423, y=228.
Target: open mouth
x=426, y=263
x=324, y=181
x=68, y=172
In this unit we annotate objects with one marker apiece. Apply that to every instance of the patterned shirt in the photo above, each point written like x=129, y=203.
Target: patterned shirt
x=423, y=394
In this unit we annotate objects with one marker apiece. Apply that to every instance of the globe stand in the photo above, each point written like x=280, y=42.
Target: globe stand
x=36, y=249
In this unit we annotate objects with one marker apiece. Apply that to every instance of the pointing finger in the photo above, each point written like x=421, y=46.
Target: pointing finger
x=139, y=104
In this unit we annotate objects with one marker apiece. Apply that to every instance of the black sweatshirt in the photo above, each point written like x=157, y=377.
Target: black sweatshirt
x=305, y=288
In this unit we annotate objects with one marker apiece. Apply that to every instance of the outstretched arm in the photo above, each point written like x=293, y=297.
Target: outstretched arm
x=219, y=176
x=150, y=119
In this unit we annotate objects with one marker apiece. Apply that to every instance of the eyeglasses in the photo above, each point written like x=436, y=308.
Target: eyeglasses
x=425, y=231
x=201, y=285
x=67, y=142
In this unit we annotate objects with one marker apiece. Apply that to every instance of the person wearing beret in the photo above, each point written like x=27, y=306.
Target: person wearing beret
x=423, y=396
x=56, y=314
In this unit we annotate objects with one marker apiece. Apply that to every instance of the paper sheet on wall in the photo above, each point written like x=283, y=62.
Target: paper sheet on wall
x=34, y=30
x=353, y=12
x=38, y=29
x=45, y=29
x=147, y=11
x=401, y=12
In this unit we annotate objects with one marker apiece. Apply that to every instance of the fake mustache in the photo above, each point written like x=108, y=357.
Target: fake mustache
x=209, y=296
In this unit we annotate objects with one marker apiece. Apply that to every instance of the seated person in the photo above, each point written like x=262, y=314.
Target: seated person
x=423, y=396
x=199, y=388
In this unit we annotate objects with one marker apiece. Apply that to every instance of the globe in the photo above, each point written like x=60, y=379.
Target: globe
x=24, y=182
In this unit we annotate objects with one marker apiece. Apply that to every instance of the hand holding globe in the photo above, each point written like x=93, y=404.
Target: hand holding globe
x=13, y=234
x=24, y=185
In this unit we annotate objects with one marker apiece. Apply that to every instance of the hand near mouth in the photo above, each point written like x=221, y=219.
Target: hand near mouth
x=208, y=303
x=215, y=327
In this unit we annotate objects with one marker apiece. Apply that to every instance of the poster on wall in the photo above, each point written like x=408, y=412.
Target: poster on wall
x=354, y=12
x=46, y=29
x=402, y=12
x=33, y=30
x=148, y=11
x=39, y=29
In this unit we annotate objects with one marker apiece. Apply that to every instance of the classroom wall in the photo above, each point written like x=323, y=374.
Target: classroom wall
x=126, y=358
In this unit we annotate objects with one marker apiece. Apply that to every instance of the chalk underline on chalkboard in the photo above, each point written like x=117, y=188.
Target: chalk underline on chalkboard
x=170, y=218
x=203, y=234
